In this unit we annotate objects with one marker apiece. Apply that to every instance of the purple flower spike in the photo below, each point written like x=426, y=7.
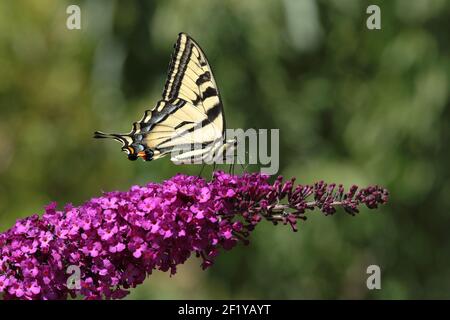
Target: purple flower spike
x=118, y=239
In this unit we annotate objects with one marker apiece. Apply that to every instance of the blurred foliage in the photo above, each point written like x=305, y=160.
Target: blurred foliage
x=353, y=105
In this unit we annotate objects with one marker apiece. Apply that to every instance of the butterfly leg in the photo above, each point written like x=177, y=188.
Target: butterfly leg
x=231, y=168
x=201, y=170
x=242, y=163
x=213, y=169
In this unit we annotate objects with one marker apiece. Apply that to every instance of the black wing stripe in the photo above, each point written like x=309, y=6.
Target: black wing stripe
x=185, y=146
x=182, y=65
x=172, y=64
x=214, y=112
x=205, y=77
x=159, y=116
x=211, y=114
x=209, y=92
x=183, y=123
x=197, y=100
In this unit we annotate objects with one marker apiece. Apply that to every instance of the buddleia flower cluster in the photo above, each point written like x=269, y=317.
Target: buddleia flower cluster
x=116, y=240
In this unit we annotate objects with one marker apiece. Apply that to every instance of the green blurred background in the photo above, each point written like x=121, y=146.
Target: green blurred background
x=353, y=106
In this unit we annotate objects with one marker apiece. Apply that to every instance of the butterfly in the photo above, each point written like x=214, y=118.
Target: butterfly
x=188, y=122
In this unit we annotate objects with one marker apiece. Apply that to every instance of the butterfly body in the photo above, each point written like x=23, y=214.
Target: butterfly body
x=188, y=122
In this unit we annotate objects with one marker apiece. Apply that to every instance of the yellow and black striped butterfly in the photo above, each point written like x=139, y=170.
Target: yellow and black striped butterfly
x=188, y=122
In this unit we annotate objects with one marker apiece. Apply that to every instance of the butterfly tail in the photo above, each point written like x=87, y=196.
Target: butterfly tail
x=102, y=135
x=124, y=139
